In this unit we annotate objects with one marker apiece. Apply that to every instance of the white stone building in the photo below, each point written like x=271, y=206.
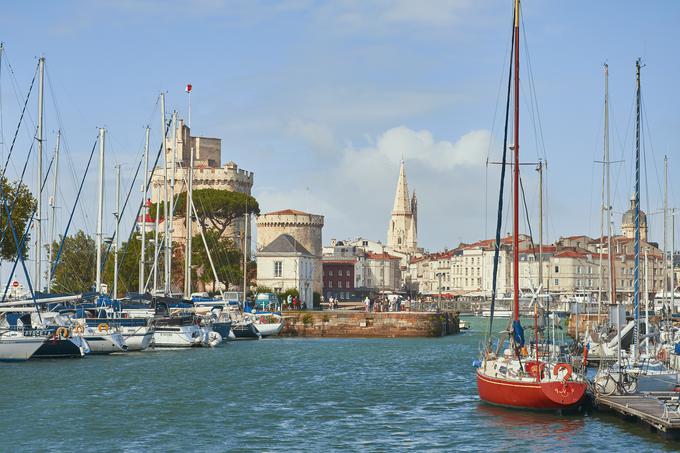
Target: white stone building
x=402, y=231
x=305, y=228
x=286, y=264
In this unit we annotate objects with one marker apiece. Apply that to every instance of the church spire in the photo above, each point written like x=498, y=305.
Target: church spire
x=402, y=229
x=402, y=205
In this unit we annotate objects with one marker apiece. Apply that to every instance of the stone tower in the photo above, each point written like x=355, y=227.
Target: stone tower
x=303, y=227
x=402, y=230
x=628, y=222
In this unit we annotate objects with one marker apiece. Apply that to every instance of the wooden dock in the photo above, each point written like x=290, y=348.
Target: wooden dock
x=660, y=411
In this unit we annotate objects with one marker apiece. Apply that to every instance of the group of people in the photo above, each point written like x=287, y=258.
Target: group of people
x=385, y=304
x=293, y=303
x=333, y=303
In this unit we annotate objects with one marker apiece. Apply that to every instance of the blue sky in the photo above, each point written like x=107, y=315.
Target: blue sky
x=322, y=99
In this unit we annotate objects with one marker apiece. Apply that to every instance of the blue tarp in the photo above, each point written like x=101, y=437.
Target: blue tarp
x=518, y=333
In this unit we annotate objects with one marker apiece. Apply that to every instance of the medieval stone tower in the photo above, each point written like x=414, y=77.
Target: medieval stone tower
x=402, y=232
x=303, y=227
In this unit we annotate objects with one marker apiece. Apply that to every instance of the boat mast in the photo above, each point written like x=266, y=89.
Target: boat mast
x=189, y=218
x=636, y=276
x=171, y=208
x=515, y=213
x=165, y=196
x=53, y=206
x=100, y=211
x=245, y=255
x=38, y=210
x=665, y=226
x=610, y=250
x=672, y=308
x=142, y=261
x=540, y=224
x=117, y=241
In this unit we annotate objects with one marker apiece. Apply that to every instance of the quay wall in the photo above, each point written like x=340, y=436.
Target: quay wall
x=370, y=325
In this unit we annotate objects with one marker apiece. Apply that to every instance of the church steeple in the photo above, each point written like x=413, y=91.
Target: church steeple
x=401, y=199
x=402, y=230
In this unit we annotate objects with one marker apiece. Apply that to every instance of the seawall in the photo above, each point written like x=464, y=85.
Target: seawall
x=371, y=325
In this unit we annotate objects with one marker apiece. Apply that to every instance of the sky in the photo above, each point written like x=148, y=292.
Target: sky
x=322, y=100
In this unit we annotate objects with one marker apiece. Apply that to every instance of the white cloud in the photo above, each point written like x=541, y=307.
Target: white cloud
x=356, y=194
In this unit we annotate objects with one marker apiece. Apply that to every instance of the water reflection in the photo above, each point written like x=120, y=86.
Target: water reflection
x=531, y=425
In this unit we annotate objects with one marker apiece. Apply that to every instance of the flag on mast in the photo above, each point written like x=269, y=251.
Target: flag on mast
x=188, y=88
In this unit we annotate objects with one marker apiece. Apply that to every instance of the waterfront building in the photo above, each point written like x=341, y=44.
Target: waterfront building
x=338, y=278
x=305, y=228
x=285, y=264
x=628, y=222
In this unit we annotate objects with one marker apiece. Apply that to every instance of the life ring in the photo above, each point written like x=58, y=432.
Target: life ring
x=662, y=355
x=79, y=328
x=563, y=366
x=61, y=332
x=103, y=326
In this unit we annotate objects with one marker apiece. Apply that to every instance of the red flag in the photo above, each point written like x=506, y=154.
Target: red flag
x=188, y=88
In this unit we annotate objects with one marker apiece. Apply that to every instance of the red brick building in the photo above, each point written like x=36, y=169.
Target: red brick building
x=338, y=278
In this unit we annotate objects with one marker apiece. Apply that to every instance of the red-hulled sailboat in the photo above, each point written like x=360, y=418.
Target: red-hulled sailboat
x=517, y=377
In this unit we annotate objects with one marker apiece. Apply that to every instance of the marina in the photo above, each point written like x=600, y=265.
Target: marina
x=157, y=296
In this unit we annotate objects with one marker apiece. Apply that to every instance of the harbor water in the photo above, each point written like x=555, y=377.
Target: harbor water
x=287, y=395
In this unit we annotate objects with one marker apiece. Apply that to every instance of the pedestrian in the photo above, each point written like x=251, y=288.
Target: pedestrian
x=367, y=302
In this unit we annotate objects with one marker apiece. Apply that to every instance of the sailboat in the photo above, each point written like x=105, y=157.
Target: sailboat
x=514, y=378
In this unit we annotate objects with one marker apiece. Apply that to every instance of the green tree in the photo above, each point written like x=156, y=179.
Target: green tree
x=129, y=256
x=24, y=204
x=216, y=208
x=76, y=269
x=226, y=257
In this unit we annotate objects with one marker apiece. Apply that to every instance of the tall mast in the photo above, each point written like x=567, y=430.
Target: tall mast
x=189, y=217
x=515, y=213
x=673, y=261
x=38, y=210
x=100, y=211
x=636, y=276
x=605, y=206
x=155, y=240
x=610, y=250
x=171, y=208
x=166, y=230
x=540, y=224
x=53, y=206
x=142, y=260
x=117, y=239
x=245, y=256
x=665, y=226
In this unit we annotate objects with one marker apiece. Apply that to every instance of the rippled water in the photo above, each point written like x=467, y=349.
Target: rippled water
x=286, y=395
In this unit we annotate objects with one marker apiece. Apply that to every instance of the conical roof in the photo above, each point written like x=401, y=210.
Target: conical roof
x=402, y=204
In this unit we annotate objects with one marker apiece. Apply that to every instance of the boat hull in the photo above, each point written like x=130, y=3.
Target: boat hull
x=138, y=340
x=105, y=343
x=18, y=348
x=59, y=348
x=550, y=395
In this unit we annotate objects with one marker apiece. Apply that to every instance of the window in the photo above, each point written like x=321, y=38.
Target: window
x=557, y=270
x=330, y=273
x=278, y=268
x=557, y=280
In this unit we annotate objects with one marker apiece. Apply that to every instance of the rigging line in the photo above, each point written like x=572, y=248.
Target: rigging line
x=499, y=219
x=21, y=117
x=532, y=91
x=75, y=203
x=148, y=184
x=526, y=213
x=647, y=132
x=21, y=244
x=16, y=197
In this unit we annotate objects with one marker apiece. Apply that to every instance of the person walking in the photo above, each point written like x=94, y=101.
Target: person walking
x=367, y=302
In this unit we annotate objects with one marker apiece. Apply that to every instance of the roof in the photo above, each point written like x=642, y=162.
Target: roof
x=349, y=261
x=381, y=256
x=287, y=212
x=285, y=243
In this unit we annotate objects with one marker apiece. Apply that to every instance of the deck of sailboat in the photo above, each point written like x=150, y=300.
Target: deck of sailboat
x=649, y=408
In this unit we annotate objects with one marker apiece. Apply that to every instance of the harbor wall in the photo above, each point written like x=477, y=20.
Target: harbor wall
x=371, y=325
